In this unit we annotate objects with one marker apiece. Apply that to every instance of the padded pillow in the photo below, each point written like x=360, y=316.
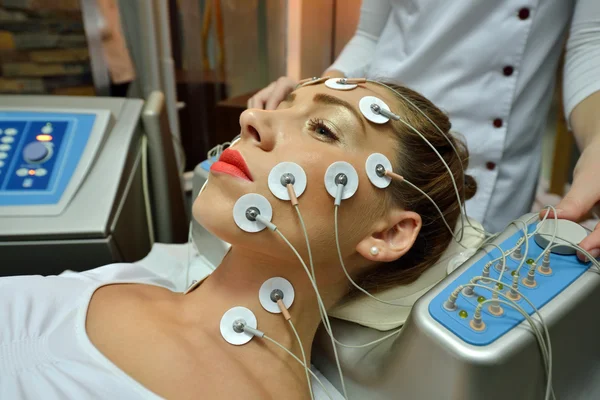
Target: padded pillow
x=368, y=312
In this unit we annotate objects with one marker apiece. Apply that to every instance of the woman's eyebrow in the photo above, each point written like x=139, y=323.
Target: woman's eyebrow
x=326, y=99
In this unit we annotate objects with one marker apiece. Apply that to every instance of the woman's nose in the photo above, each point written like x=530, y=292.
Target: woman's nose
x=257, y=128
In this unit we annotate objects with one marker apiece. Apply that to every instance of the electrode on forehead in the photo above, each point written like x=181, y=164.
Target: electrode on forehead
x=341, y=172
x=375, y=110
x=287, y=173
x=376, y=165
x=246, y=209
x=339, y=84
x=233, y=323
x=276, y=289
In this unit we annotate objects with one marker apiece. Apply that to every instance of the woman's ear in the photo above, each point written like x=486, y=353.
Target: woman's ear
x=394, y=240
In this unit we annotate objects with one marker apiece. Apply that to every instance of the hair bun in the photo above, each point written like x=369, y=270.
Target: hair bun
x=470, y=187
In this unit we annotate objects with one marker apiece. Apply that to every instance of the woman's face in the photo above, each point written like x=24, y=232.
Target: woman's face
x=315, y=127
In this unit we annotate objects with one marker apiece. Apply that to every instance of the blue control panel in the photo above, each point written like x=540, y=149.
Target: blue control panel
x=39, y=153
x=565, y=270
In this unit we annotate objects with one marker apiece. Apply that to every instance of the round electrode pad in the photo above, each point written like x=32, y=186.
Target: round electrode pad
x=248, y=201
x=565, y=229
x=341, y=167
x=277, y=178
x=371, y=164
x=333, y=84
x=233, y=316
x=267, y=288
x=365, y=108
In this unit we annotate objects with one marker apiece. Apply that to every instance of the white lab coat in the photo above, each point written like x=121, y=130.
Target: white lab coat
x=491, y=65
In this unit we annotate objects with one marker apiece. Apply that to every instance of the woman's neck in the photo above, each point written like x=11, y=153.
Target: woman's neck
x=236, y=282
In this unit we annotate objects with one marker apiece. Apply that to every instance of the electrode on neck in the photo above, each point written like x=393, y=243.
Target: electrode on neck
x=234, y=324
x=274, y=290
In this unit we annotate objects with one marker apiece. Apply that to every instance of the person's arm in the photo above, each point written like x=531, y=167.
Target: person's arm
x=582, y=108
x=357, y=54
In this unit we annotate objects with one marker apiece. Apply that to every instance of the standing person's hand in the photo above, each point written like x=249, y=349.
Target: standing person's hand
x=270, y=97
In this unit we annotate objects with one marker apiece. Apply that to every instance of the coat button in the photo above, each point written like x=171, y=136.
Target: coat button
x=490, y=165
x=524, y=13
x=508, y=70
x=498, y=123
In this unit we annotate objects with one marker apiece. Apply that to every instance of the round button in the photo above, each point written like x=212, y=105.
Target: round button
x=490, y=165
x=7, y=139
x=3, y=155
x=524, y=13
x=40, y=172
x=508, y=70
x=498, y=123
x=22, y=172
x=566, y=231
x=35, y=152
x=11, y=131
x=4, y=147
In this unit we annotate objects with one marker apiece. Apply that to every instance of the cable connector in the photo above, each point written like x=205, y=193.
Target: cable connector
x=529, y=280
x=500, y=266
x=517, y=254
x=450, y=304
x=495, y=308
x=254, y=332
x=545, y=267
x=486, y=272
x=513, y=293
x=477, y=323
x=468, y=290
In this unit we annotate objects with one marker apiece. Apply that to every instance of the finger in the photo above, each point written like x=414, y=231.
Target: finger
x=591, y=244
x=577, y=202
x=282, y=88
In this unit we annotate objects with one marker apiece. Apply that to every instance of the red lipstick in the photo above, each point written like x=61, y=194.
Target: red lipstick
x=231, y=162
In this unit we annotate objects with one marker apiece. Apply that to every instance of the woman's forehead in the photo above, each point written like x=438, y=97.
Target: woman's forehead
x=352, y=96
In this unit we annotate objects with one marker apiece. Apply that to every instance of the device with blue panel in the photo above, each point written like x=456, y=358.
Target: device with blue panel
x=70, y=183
x=40, y=153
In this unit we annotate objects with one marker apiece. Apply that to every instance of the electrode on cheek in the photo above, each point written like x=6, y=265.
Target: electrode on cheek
x=284, y=174
x=233, y=323
x=275, y=289
x=247, y=209
x=341, y=176
x=376, y=167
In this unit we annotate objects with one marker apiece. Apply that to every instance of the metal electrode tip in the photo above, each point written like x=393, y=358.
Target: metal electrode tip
x=380, y=170
x=252, y=213
x=342, y=81
x=239, y=325
x=287, y=179
x=375, y=107
x=276, y=295
x=341, y=179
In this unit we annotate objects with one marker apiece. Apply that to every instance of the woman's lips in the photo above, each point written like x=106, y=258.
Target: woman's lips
x=231, y=162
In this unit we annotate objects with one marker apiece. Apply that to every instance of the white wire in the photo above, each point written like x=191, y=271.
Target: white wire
x=320, y=310
x=547, y=356
x=301, y=363
x=146, y=190
x=461, y=204
x=320, y=301
x=312, y=396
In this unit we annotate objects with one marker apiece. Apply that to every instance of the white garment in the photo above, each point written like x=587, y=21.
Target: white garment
x=485, y=63
x=45, y=352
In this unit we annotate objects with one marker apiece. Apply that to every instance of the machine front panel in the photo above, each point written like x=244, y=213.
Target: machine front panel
x=39, y=153
x=566, y=269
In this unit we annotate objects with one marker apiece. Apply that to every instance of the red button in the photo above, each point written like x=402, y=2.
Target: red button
x=524, y=13
x=490, y=165
x=498, y=123
x=508, y=70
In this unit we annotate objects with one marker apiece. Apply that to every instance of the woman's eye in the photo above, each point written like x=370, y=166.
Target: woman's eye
x=319, y=127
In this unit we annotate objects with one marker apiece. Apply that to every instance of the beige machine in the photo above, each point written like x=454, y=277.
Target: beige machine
x=100, y=186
